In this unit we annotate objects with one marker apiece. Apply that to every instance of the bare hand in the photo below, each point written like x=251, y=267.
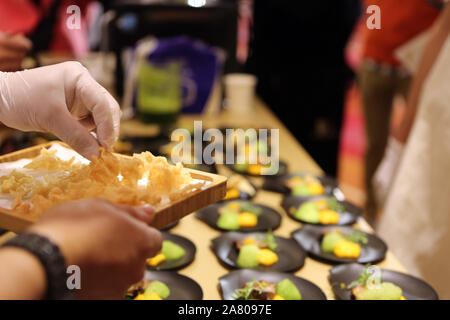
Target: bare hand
x=109, y=242
x=12, y=51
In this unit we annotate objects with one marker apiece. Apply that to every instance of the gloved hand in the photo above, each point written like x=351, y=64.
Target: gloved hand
x=384, y=176
x=13, y=49
x=62, y=99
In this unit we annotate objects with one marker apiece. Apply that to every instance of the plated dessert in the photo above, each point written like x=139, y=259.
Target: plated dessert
x=303, y=184
x=262, y=290
x=256, y=161
x=255, y=251
x=176, y=252
x=370, y=286
x=343, y=244
x=357, y=282
x=261, y=251
x=340, y=244
x=164, y=285
x=240, y=215
x=323, y=210
x=148, y=290
x=249, y=284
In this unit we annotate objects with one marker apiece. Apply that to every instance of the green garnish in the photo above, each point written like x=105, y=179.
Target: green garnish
x=247, y=206
x=357, y=236
x=246, y=292
x=333, y=204
x=270, y=240
x=366, y=277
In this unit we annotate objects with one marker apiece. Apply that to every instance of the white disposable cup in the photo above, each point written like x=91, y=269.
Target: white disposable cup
x=240, y=92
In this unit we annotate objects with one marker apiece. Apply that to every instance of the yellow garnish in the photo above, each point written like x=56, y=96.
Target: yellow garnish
x=327, y=216
x=278, y=297
x=347, y=249
x=254, y=169
x=159, y=258
x=321, y=204
x=403, y=298
x=267, y=257
x=151, y=296
x=232, y=194
x=315, y=188
x=235, y=206
x=296, y=180
x=249, y=241
x=247, y=220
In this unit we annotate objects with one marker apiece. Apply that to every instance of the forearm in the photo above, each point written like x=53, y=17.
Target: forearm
x=438, y=36
x=22, y=276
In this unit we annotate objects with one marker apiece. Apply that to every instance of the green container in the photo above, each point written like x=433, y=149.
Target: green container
x=159, y=93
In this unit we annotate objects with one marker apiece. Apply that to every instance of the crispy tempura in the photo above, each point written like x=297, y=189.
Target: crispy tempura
x=141, y=179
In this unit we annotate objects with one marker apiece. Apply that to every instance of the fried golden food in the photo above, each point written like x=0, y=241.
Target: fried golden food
x=138, y=180
x=48, y=161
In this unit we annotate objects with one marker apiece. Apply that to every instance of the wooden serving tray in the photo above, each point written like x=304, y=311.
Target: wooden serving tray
x=165, y=215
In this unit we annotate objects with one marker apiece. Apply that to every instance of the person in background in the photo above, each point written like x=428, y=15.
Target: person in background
x=381, y=77
x=307, y=77
x=416, y=217
x=31, y=26
x=108, y=242
x=13, y=49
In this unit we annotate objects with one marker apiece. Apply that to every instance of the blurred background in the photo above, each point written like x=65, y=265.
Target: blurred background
x=344, y=77
x=302, y=78
x=161, y=58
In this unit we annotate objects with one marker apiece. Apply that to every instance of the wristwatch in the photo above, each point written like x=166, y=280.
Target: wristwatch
x=52, y=260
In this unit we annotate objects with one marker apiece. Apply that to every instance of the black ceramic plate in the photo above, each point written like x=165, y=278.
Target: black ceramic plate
x=350, y=214
x=282, y=170
x=291, y=256
x=310, y=238
x=412, y=287
x=277, y=184
x=269, y=219
x=187, y=245
x=236, y=279
x=181, y=287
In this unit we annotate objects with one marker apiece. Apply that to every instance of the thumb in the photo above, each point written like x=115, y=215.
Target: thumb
x=104, y=109
x=75, y=135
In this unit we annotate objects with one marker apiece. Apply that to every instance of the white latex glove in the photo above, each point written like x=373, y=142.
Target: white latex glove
x=62, y=99
x=384, y=176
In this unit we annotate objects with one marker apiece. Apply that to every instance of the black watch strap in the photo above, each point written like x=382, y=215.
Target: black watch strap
x=51, y=258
